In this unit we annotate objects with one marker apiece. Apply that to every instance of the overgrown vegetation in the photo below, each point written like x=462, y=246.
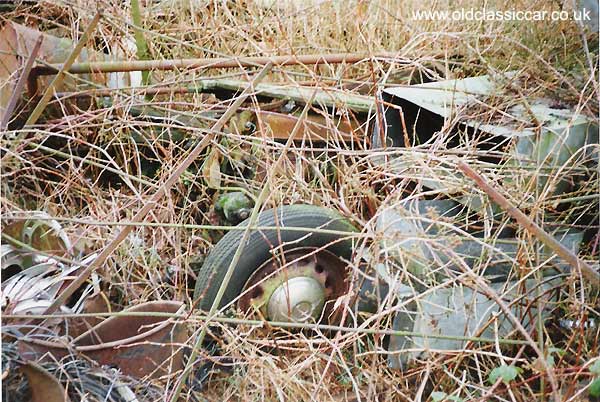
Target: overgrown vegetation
x=93, y=164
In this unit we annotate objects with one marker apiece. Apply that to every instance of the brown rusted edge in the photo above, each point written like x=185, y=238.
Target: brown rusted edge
x=138, y=345
x=23, y=78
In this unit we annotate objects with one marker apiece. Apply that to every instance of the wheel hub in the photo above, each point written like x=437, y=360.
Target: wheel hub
x=296, y=286
x=298, y=300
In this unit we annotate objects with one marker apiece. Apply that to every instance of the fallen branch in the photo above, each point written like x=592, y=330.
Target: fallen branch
x=211, y=62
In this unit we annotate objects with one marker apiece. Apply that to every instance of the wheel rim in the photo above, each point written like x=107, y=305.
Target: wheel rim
x=296, y=286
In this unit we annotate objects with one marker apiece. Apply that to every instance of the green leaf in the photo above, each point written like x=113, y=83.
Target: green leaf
x=550, y=361
x=558, y=351
x=595, y=388
x=442, y=396
x=595, y=367
x=507, y=373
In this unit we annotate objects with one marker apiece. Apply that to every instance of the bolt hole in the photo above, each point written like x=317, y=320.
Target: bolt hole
x=319, y=269
x=257, y=292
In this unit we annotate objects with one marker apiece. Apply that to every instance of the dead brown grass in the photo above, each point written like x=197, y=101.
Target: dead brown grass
x=265, y=364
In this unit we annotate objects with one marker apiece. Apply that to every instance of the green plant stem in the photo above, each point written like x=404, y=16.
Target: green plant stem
x=140, y=40
x=198, y=227
x=18, y=243
x=213, y=310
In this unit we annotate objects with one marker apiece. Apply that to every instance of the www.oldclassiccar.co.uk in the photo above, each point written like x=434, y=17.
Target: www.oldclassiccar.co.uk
x=473, y=14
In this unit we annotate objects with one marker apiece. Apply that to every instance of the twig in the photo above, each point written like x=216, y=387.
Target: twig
x=491, y=293
x=156, y=197
x=87, y=161
x=586, y=270
x=261, y=323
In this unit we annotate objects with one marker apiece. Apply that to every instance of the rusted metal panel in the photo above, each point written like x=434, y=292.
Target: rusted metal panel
x=314, y=127
x=137, y=345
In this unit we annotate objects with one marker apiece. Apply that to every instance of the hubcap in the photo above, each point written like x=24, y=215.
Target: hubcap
x=296, y=286
x=298, y=300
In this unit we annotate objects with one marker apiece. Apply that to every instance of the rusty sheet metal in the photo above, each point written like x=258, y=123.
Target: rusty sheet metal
x=17, y=89
x=44, y=386
x=17, y=43
x=138, y=345
x=97, y=303
x=41, y=232
x=314, y=128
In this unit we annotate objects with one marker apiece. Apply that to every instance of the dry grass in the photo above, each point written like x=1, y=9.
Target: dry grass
x=101, y=179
